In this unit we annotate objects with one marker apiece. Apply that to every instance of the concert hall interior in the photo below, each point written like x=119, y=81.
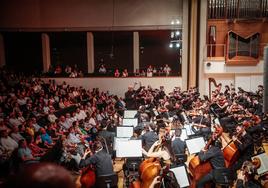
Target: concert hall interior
x=133, y=94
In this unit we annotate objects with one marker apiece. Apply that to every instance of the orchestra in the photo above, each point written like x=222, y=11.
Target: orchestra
x=230, y=125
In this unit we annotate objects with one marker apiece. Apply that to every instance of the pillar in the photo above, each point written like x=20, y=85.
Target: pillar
x=2, y=51
x=184, y=63
x=90, y=53
x=46, y=52
x=193, y=44
x=265, y=79
x=136, y=51
x=202, y=45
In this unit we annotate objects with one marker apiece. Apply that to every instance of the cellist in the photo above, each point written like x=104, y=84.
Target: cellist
x=214, y=155
x=244, y=143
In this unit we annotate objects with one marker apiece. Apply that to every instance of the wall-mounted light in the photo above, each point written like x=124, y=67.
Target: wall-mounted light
x=177, y=33
x=177, y=45
x=171, y=45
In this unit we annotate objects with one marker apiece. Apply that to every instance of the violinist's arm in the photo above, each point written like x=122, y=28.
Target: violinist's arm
x=85, y=162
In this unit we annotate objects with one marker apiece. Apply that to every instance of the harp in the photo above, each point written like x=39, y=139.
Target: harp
x=212, y=80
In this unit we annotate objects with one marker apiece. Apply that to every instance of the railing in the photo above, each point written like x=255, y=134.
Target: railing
x=237, y=9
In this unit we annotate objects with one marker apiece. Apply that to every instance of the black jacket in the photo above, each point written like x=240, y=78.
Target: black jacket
x=214, y=155
x=102, y=162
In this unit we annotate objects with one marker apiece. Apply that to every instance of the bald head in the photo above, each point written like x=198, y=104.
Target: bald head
x=43, y=175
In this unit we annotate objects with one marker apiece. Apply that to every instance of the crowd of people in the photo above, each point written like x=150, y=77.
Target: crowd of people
x=75, y=127
x=69, y=71
x=150, y=71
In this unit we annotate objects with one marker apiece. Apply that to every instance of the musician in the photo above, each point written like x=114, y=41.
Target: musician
x=130, y=98
x=161, y=148
x=149, y=137
x=215, y=156
x=100, y=159
x=177, y=144
x=244, y=143
x=246, y=176
x=203, y=124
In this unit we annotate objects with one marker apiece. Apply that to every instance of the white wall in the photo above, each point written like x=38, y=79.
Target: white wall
x=246, y=77
x=119, y=86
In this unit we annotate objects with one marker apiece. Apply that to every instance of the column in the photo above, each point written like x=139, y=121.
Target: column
x=2, y=51
x=184, y=63
x=90, y=52
x=265, y=79
x=136, y=51
x=193, y=45
x=46, y=52
x=202, y=45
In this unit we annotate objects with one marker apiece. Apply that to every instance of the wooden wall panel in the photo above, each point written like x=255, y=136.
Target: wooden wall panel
x=243, y=28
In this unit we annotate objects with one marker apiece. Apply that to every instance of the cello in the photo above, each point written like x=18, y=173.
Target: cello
x=198, y=169
x=151, y=167
x=231, y=152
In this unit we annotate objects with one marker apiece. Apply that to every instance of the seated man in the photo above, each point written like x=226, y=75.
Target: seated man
x=100, y=159
x=215, y=156
x=25, y=154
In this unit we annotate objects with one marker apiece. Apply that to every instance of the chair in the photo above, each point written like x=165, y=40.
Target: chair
x=107, y=181
x=180, y=158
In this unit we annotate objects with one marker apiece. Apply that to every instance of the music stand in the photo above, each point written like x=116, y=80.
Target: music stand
x=124, y=131
x=195, y=145
x=130, y=122
x=129, y=148
x=130, y=113
x=181, y=176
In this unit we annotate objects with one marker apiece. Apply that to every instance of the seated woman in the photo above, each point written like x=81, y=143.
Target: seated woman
x=162, y=150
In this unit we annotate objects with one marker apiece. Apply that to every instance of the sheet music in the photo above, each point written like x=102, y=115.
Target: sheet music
x=195, y=145
x=130, y=113
x=130, y=122
x=181, y=176
x=129, y=148
x=264, y=163
x=124, y=131
x=116, y=140
x=189, y=130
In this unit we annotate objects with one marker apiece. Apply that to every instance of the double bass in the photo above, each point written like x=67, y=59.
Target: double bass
x=198, y=169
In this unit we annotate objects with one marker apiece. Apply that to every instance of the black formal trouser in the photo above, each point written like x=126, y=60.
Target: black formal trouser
x=206, y=179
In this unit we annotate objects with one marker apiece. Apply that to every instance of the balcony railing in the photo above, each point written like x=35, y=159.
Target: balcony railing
x=237, y=9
